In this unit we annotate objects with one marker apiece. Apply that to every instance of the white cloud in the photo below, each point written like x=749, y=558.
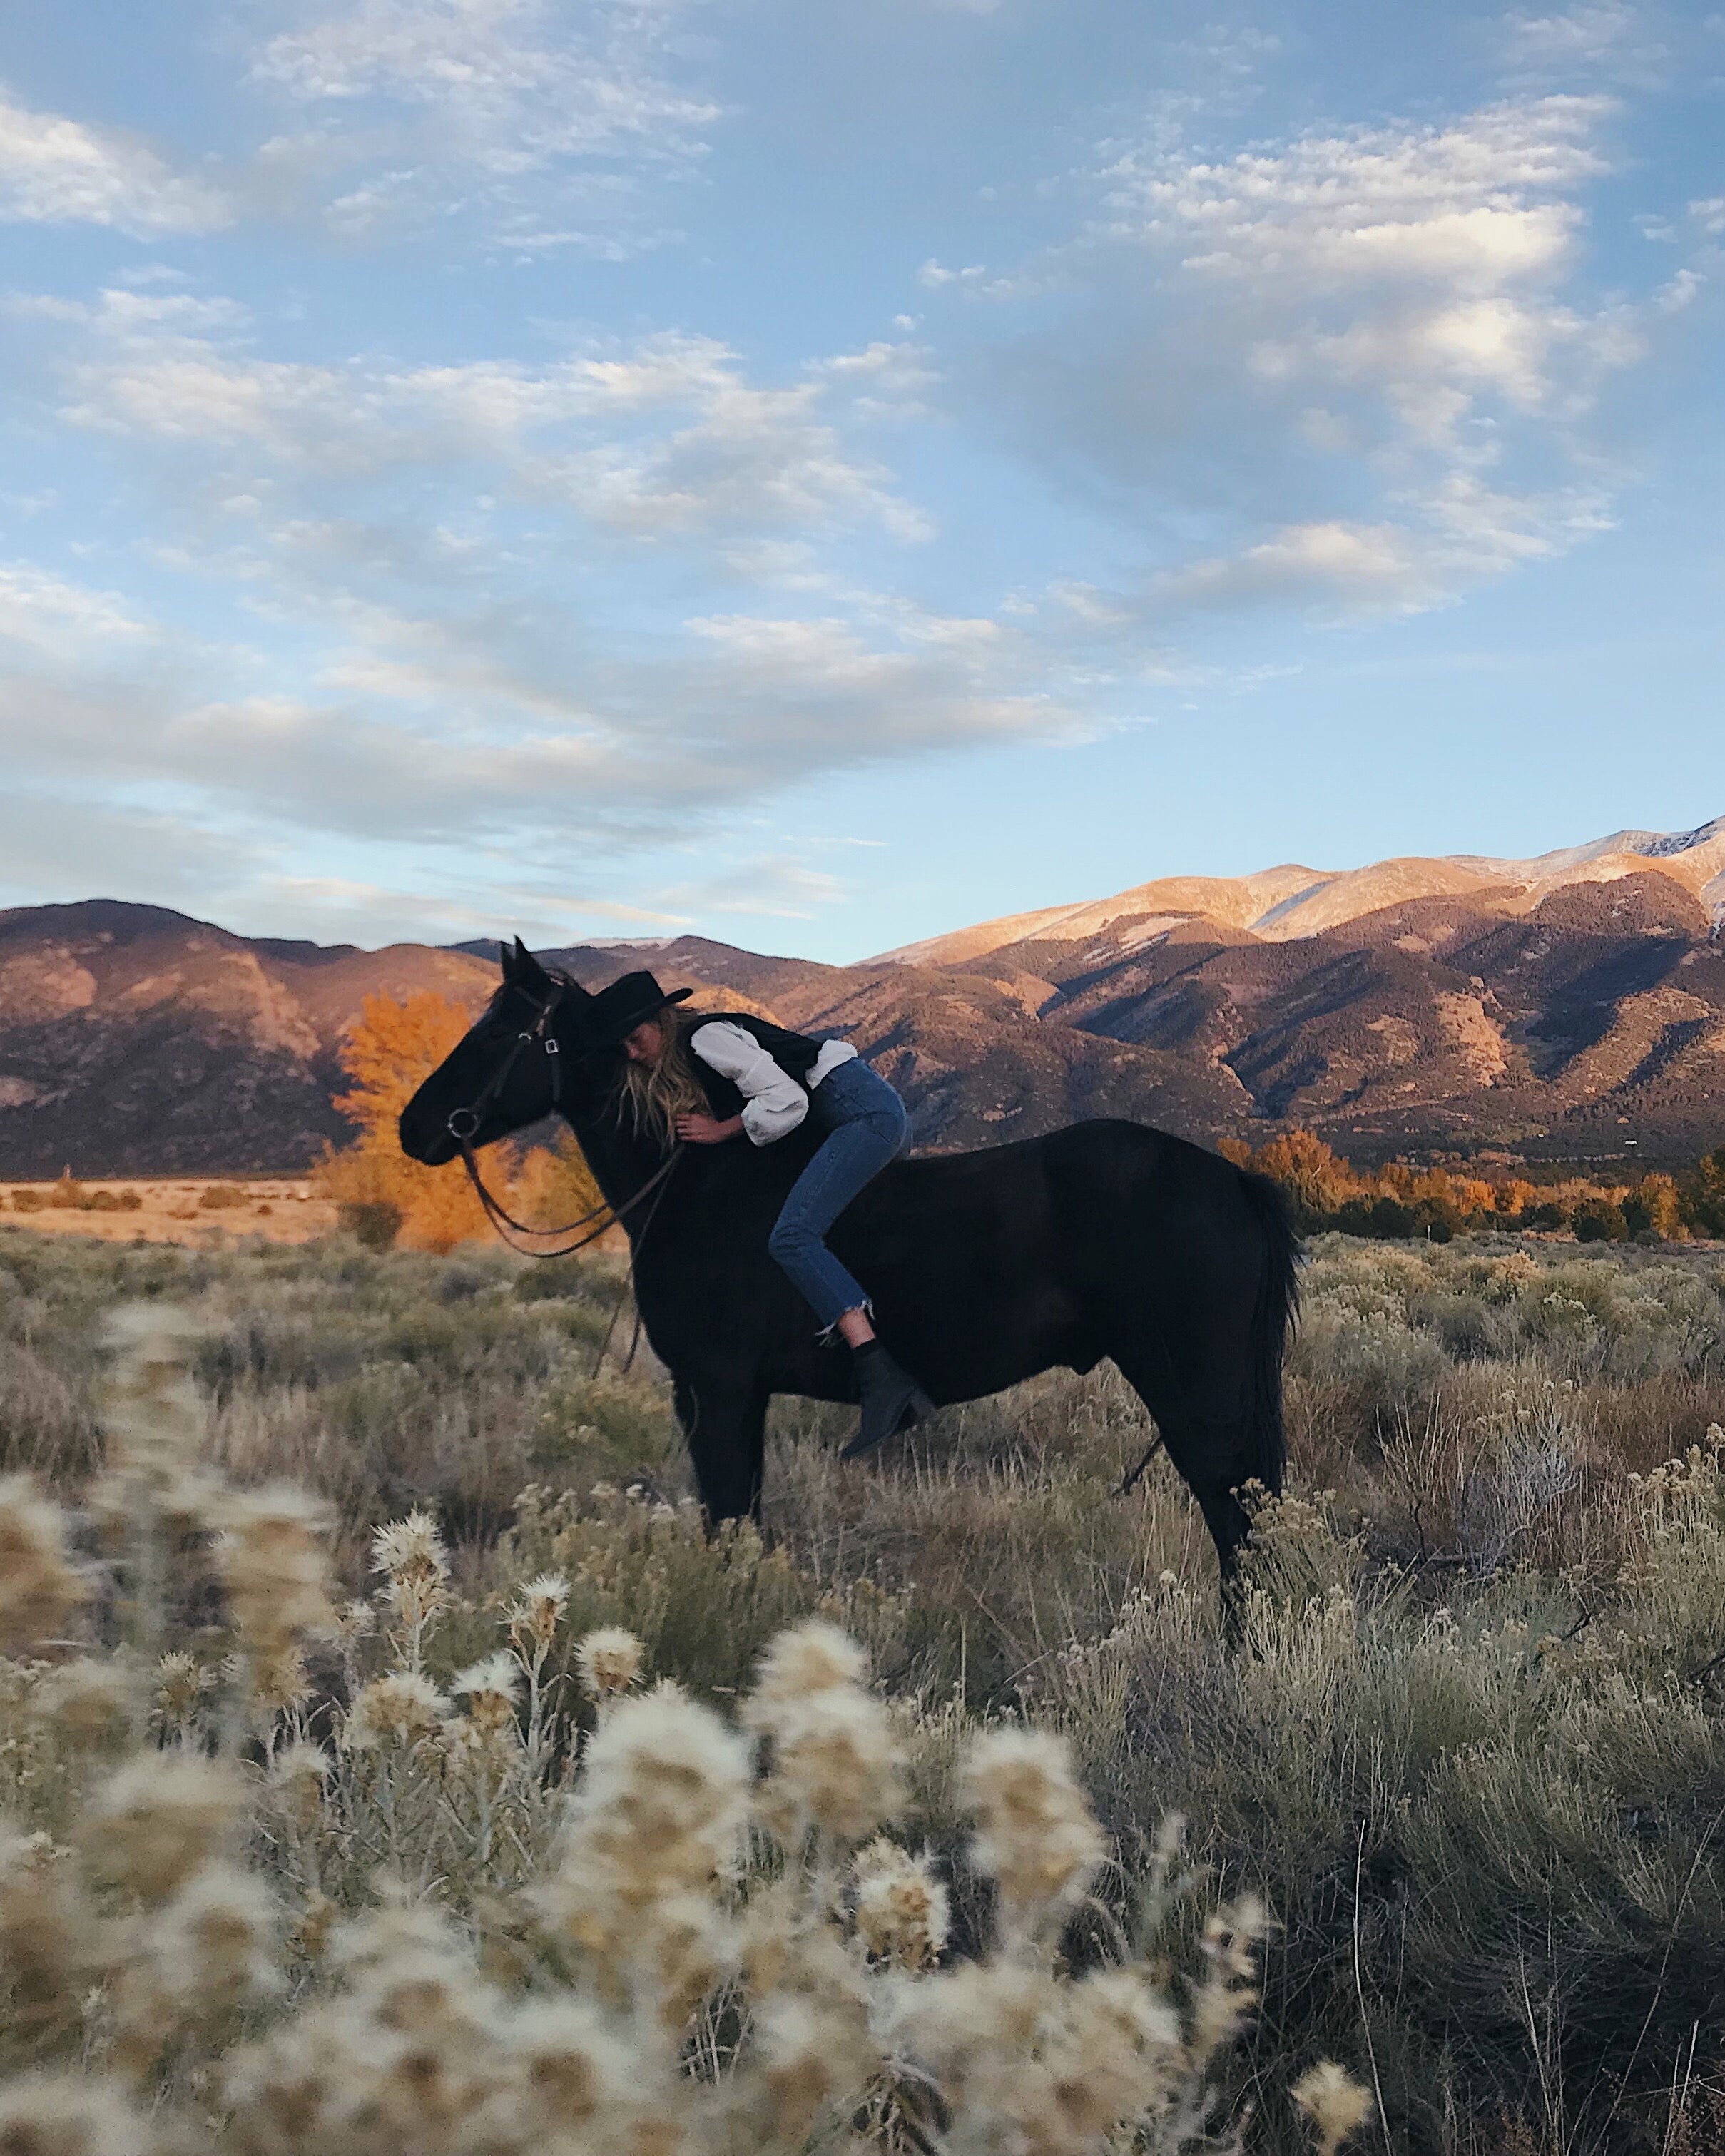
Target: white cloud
x=1451, y=201
x=663, y=439
x=1459, y=533
x=1314, y=352
x=767, y=886
x=44, y=612
x=1357, y=564
x=532, y=115
x=1673, y=296
x=56, y=170
x=1608, y=39
x=932, y=276
x=492, y=722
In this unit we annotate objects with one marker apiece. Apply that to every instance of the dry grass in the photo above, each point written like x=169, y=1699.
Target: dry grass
x=532, y=1903
x=1471, y=1753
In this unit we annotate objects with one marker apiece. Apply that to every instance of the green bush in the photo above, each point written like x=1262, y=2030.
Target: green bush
x=374, y=1222
x=1600, y=1220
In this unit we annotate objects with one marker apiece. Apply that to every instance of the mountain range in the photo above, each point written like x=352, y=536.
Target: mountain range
x=1570, y=1006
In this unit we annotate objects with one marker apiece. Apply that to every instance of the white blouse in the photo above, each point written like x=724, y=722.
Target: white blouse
x=774, y=1102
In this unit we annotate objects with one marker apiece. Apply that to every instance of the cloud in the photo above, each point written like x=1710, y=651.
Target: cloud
x=483, y=901
x=1462, y=533
x=44, y=614
x=472, y=595
x=1305, y=359
x=663, y=439
x=1610, y=39
x=61, y=845
x=933, y=276
x=56, y=170
x=479, y=727
x=536, y=118
x=765, y=887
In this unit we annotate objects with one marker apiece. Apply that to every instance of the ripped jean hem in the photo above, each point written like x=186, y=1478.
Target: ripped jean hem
x=830, y=1335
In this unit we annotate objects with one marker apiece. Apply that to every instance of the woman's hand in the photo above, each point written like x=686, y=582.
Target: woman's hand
x=707, y=1130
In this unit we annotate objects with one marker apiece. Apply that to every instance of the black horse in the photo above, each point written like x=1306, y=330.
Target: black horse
x=1107, y=1238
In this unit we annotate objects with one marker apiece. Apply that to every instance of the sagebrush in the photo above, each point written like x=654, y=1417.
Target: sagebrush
x=1469, y=1755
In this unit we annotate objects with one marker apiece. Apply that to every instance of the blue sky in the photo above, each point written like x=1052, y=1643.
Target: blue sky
x=818, y=476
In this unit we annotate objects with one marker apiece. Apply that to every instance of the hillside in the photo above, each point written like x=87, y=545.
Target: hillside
x=135, y=1041
x=1570, y=1007
x=1281, y=904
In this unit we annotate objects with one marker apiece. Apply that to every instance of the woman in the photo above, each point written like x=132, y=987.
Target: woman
x=777, y=1079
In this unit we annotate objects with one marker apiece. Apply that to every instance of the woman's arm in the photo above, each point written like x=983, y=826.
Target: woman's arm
x=774, y=1103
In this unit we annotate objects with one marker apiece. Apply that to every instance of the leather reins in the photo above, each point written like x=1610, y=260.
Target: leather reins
x=463, y=1126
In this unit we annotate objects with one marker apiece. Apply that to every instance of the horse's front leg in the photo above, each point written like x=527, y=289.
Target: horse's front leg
x=725, y=1427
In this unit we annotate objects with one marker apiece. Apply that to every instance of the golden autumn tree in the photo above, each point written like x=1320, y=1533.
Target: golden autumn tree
x=388, y=1053
x=1313, y=1177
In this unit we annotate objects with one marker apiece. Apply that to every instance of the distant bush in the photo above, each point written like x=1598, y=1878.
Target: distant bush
x=1599, y=1220
x=219, y=1197
x=375, y=1221
x=75, y=1197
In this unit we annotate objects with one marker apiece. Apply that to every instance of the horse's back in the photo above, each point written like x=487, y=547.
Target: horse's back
x=1097, y=1163
x=1028, y=1218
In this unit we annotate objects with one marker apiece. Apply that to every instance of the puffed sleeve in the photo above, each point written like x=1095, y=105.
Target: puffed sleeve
x=774, y=1102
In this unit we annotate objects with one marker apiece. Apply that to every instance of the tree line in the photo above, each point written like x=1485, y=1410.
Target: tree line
x=1400, y=1201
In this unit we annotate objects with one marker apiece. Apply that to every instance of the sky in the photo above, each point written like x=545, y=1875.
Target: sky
x=816, y=475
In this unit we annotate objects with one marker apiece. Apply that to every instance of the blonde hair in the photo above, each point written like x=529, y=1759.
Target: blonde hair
x=653, y=1094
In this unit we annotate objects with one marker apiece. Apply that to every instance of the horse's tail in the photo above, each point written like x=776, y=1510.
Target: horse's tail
x=1275, y=1312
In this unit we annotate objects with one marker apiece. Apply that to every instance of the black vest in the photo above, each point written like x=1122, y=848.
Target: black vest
x=794, y=1054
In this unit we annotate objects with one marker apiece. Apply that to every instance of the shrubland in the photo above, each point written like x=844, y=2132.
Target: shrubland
x=1454, y=1799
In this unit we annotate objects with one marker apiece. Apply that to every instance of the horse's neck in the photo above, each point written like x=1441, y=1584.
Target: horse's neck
x=621, y=1163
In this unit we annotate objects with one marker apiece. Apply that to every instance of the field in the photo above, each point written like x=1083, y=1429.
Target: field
x=1469, y=1752
x=201, y=1211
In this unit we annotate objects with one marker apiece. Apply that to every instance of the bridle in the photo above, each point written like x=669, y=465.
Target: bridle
x=463, y=1126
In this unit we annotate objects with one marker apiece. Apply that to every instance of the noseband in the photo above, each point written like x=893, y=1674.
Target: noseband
x=462, y=1125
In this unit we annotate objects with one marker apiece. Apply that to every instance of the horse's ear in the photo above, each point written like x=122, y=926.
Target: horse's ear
x=506, y=958
x=524, y=970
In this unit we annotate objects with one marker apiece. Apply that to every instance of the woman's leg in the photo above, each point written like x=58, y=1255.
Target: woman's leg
x=866, y=1127
x=866, y=1130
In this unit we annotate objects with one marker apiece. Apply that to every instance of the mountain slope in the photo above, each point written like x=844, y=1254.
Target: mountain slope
x=1570, y=1006
x=134, y=1040
x=1288, y=903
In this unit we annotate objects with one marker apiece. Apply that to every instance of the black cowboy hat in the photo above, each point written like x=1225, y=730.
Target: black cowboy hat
x=616, y=1011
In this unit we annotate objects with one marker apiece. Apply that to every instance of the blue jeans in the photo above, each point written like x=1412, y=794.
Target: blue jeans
x=866, y=1127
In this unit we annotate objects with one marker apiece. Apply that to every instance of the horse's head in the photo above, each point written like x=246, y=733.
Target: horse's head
x=504, y=1073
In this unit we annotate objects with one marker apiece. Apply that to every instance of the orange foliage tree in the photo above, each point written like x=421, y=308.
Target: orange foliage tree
x=390, y=1050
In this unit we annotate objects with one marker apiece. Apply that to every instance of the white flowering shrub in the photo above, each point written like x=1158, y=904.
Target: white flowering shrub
x=418, y=1912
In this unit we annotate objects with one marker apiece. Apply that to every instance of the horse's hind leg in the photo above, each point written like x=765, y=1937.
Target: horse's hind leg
x=725, y=1427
